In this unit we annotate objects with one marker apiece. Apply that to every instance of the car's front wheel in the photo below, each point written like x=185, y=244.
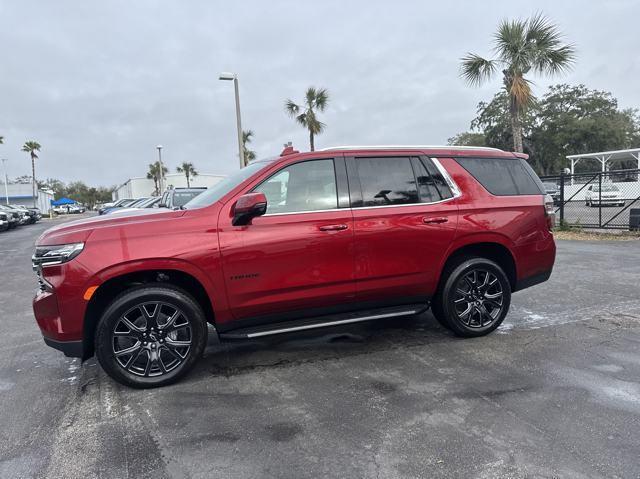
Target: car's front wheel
x=475, y=297
x=150, y=336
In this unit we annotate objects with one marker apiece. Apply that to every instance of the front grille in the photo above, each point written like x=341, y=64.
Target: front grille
x=35, y=265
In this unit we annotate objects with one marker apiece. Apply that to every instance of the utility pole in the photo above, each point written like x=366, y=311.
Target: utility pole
x=6, y=180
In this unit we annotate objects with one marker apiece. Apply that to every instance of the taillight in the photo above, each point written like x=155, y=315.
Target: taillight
x=549, y=211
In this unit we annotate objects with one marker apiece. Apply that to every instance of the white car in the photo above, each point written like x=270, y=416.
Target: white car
x=609, y=196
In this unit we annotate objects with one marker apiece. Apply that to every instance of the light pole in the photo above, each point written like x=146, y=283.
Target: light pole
x=6, y=180
x=161, y=179
x=234, y=77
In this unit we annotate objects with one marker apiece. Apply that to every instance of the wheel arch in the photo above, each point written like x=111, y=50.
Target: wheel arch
x=494, y=248
x=120, y=281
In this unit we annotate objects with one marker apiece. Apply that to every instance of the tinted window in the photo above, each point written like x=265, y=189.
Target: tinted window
x=306, y=186
x=427, y=189
x=431, y=185
x=181, y=198
x=386, y=181
x=503, y=176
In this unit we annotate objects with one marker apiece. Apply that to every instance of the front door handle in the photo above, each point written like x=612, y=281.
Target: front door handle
x=434, y=221
x=333, y=227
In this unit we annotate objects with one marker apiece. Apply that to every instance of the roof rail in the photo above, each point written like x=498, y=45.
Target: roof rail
x=408, y=147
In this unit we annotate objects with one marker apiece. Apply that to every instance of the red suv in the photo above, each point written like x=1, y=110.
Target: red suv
x=301, y=241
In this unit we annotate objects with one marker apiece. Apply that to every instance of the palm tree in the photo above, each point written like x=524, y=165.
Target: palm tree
x=32, y=147
x=249, y=155
x=1, y=140
x=188, y=170
x=305, y=115
x=154, y=174
x=521, y=46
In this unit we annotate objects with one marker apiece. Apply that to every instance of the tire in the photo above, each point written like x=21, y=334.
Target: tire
x=150, y=336
x=485, y=302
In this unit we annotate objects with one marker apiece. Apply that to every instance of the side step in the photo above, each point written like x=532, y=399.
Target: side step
x=323, y=321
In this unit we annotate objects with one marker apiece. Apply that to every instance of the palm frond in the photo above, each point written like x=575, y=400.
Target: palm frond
x=520, y=92
x=475, y=69
x=322, y=98
x=291, y=108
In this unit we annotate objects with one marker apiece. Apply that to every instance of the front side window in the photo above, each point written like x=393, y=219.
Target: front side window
x=386, y=181
x=305, y=186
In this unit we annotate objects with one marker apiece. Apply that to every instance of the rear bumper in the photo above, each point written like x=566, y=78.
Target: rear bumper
x=532, y=280
x=71, y=349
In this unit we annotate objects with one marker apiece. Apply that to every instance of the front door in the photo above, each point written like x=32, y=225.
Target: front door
x=299, y=255
x=405, y=217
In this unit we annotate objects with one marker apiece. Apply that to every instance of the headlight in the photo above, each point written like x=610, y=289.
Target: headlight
x=56, y=254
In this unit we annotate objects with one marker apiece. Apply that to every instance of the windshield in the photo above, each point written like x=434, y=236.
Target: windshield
x=181, y=198
x=550, y=186
x=149, y=202
x=223, y=187
x=138, y=203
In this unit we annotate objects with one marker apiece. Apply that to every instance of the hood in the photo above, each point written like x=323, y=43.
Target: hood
x=79, y=230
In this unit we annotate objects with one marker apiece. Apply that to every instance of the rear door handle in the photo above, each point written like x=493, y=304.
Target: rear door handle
x=433, y=221
x=333, y=227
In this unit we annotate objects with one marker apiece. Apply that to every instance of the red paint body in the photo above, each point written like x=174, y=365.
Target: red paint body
x=291, y=262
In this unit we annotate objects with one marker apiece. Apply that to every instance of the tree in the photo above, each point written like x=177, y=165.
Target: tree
x=521, y=46
x=32, y=147
x=155, y=175
x=315, y=101
x=249, y=155
x=188, y=170
x=575, y=119
x=467, y=138
x=567, y=120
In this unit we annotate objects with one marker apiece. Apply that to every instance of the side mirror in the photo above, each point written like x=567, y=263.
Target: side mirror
x=248, y=207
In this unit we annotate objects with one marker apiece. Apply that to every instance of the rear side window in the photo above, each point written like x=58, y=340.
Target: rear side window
x=431, y=185
x=503, y=176
x=387, y=181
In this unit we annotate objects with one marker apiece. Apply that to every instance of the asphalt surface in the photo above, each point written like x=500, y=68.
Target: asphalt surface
x=553, y=393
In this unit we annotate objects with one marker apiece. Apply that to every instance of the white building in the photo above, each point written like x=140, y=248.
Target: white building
x=22, y=194
x=140, y=187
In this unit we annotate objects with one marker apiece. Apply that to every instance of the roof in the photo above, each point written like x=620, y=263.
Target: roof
x=610, y=155
x=410, y=147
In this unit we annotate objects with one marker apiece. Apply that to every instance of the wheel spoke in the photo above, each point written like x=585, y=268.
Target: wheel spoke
x=151, y=318
x=129, y=350
x=493, y=295
x=170, y=324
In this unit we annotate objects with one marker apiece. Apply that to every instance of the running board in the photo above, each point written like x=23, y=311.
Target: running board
x=322, y=322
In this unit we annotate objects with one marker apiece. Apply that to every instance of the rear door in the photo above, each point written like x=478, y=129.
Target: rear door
x=405, y=217
x=299, y=255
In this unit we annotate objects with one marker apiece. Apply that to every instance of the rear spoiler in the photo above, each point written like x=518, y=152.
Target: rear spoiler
x=524, y=156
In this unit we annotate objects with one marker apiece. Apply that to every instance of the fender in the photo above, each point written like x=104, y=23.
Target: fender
x=216, y=295
x=475, y=238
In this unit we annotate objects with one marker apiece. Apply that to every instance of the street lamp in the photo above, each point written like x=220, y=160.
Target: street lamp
x=6, y=180
x=234, y=77
x=161, y=179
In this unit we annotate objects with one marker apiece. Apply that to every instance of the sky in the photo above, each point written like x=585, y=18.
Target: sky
x=100, y=83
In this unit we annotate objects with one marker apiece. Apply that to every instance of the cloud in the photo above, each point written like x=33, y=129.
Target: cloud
x=99, y=84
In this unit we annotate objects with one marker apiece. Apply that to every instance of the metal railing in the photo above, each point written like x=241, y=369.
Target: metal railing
x=596, y=200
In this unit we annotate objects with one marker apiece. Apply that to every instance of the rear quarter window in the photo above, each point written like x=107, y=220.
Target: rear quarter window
x=504, y=176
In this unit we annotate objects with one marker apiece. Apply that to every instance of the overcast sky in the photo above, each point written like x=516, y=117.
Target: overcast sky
x=100, y=83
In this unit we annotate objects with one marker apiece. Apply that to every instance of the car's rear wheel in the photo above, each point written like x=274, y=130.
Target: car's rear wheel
x=151, y=336
x=475, y=297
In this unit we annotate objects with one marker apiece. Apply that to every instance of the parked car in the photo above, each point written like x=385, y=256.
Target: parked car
x=608, y=195
x=151, y=202
x=302, y=241
x=553, y=190
x=37, y=214
x=15, y=217
x=178, y=197
x=4, y=221
x=118, y=204
x=29, y=215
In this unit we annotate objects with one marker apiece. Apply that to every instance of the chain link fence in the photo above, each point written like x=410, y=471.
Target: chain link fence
x=609, y=199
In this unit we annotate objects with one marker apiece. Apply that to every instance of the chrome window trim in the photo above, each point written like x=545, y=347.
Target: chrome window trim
x=445, y=174
x=455, y=190
x=305, y=212
x=410, y=147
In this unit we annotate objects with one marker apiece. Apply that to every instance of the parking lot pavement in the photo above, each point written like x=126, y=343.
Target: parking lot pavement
x=553, y=393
